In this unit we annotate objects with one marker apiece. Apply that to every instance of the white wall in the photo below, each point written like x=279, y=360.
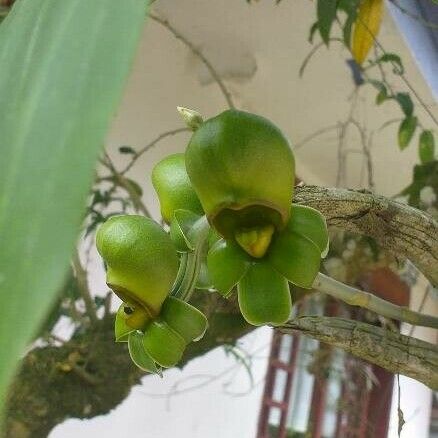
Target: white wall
x=259, y=48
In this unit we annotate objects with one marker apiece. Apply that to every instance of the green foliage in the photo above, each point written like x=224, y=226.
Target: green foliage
x=63, y=67
x=326, y=14
x=406, y=131
x=424, y=175
x=405, y=103
x=426, y=147
x=127, y=150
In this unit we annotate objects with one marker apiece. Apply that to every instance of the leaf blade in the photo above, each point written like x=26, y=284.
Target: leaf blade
x=70, y=69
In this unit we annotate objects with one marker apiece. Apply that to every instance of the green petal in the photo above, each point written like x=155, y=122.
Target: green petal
x=311, y=224
x=121, y=329
x=139, y=355
x=184, y=319
x=264, y=296
x=165, y=346
x=295, y=257
x=180, y=226
x=227, y=264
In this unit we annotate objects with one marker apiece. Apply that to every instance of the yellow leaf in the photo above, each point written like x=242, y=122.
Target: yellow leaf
x=366, y=28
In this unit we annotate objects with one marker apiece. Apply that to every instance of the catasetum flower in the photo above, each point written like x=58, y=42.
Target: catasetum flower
x=141, y=260
x=242, y=169
x=141, y=268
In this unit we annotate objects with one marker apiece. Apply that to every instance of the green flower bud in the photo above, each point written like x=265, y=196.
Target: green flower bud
x=243, y=171
x=141, y=260
x=173, y=187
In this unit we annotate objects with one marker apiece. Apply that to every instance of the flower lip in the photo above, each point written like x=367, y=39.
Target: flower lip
x=232, y=216
x=129, y=297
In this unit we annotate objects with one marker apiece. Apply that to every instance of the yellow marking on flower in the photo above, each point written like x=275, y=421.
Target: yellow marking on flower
x=255, y=241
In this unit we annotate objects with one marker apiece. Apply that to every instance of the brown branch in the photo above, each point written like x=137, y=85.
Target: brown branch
x=81, y=277
x=43, y=395
x=402, y=230
x=395, y=352
x=120, y=180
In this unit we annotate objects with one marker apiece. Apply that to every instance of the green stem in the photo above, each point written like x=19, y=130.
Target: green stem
x=190, y=266
x=366, y=300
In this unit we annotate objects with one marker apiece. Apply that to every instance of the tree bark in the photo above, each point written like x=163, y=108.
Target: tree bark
x=397, y=353
x=92, y=374
x=402, y=230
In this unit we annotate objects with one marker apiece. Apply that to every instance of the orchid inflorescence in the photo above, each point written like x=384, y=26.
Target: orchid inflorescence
x=227, y=201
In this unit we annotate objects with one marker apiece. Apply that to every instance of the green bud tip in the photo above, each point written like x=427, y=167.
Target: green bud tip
x=192, y=118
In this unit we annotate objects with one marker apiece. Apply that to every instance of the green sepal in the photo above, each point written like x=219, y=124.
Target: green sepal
x=227, y=263
x=186, y=320
x=139, y=355
x=182, y=222
x=311, y=224
x=163, y=344
x=264, y=296
x=295, y=257
x=121, y=329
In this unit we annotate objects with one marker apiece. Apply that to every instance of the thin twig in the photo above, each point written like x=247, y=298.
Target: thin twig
x=312, y=52
x=107, y=304
x=402, y=75
x=81, y=277
x=314, y=135
x=199, y=54
x=369, y=301
x=123, y=182
x=150, y=145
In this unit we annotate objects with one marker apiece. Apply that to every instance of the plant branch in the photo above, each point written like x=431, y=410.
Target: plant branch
x=199, y=54
x=395, y=352
x=150, y=145
x=81, y=277
x=123, y=182
x=402, y=230
x=366, y=300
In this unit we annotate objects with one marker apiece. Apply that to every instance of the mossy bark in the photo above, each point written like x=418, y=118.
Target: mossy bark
x=91, y=374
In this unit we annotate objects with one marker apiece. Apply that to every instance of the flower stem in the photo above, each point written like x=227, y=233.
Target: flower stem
x=190, y=265
x=366, y=300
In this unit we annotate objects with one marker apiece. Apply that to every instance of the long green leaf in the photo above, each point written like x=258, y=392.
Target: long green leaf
x=63, y=65
x=326, y=13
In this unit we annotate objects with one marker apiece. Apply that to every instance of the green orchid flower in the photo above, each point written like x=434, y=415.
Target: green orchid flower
x=242, y=169
x=141, y=260
x=294, y=256
x=173, y=187
x=164, y=338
